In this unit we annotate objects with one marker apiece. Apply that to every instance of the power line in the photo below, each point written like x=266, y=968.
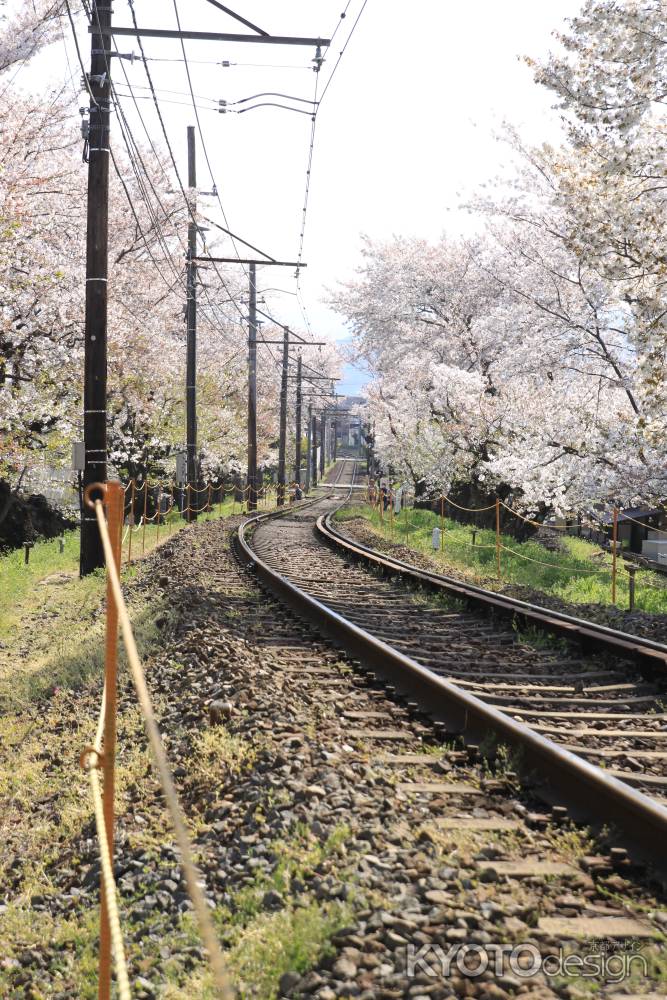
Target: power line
x=130, y=144
x=166, y=137
x=317, y=104
x=160, y=164
x=342, y=51
x=187, y=69
x=168, y=100
x=152, y=88
x=199, y=129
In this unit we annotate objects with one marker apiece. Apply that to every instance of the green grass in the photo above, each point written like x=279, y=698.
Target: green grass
x=579, y=573
x=51, y=621
x=18, y=582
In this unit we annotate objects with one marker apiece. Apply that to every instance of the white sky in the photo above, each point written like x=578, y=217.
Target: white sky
x=404, y=133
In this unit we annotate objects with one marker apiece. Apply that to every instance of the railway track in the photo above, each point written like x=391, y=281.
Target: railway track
x=589, y=725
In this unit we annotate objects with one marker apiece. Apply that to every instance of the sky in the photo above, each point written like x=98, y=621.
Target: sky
x=405, y=132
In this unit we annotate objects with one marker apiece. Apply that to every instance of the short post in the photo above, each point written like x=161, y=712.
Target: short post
x=114, y=502
x=187, y=509
x=442, y=524
x=209, y=498
x=133, y=486
x=435, y=538
x=61, y=545
x=26, y=549
x=143, y=533
x=614, y=539
x=498, y=537
x=632, y=570
x=474, y=535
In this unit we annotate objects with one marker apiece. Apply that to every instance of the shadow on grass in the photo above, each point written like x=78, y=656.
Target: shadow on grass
x=78, y=660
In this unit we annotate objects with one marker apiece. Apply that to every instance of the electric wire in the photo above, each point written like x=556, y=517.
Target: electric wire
x=129, y=142
x=201, y=135
x=158, y=159
x=199, y=129
x=231, y=298
x=317, y=104
x=171, y=286
x=342, y=51
x=178, y=104
x=178, y=93
x=171, y=152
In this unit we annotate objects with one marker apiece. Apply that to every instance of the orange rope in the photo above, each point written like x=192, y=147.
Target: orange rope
x=571, y=569
x=470, y=510
x=649, y=527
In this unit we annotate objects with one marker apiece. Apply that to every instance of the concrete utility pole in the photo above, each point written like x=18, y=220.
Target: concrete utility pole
x=297, y=463
x=282, y=445
x=191, y=324
x=252, y=389
x=97, y=242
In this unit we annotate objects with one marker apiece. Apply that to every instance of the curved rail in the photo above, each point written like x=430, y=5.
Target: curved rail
x=642, y=650
x=592, y=795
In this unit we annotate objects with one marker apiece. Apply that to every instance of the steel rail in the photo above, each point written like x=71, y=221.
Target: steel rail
x=644, y=651
x=561, y=776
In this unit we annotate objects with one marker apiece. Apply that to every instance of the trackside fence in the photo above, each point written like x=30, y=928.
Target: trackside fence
x=107, y=500
x=395, y=510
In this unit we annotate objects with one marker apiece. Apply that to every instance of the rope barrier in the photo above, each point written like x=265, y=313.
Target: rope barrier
x=192, y=875
x=649, y=527
x=551, y=527
x=90, y=762
x=470, y=545
x=469, y=510
x=540, y=562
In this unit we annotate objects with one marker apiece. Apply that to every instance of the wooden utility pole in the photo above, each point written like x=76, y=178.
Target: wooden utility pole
x=309, y=447
x=191, y=324
x=282, y=445
x=97, y=241
x=252, y=389
x=313, y=454
x=297, y=463
x=323, y=440
x=335, y=429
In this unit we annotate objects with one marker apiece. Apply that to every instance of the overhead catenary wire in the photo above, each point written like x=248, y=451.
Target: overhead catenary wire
x=113, y=160
x=160, y=164
x=134, y=153
x=171, y=152
x=199, y=129
x=204, y=148
x=203, y=142
x=317, y=104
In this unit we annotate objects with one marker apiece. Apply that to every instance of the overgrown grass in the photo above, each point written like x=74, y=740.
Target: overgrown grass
x=580, y=572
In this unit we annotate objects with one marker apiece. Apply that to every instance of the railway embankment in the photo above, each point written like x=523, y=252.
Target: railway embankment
x=346, y=848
